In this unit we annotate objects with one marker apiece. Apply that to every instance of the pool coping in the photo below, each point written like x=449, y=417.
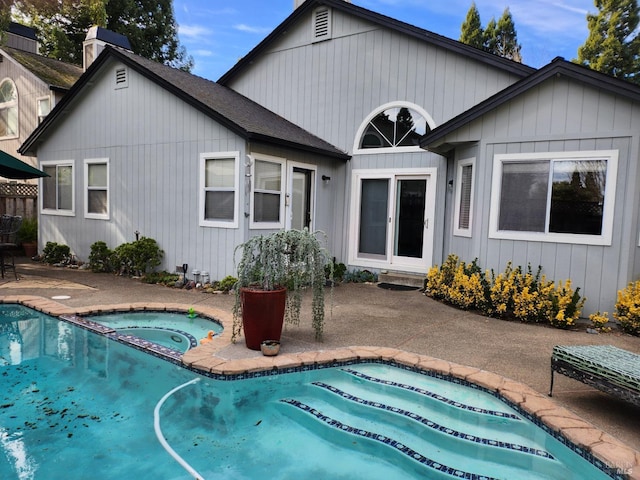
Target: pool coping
x=624, y=461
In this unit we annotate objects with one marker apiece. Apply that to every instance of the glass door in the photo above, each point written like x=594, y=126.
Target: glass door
x=409, y=220
x=300, y=197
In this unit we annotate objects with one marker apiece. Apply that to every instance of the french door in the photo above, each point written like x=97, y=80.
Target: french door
x=393, y=216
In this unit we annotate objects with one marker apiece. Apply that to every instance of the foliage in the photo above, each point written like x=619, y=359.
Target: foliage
x=627, y=310
x=599, y=321
x=294, y=259
x=162, y=278
x=101, y=258
x=613, y=44
x=499, y=38
x=359, y=276
x=226, y=284
x=471, y=32
x=512, y=294
x=55, y=253
x=28, y=230
x=62, y=26
x=138, y=257
x=335, y=270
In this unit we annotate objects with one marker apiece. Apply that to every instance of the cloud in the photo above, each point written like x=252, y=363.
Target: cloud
x=249, y=29
x=193, y=31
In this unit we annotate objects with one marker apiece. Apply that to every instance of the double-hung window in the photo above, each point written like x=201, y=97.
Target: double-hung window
x=57, y=196
x=219, y=184
x=267, y=197
x=464, y=198
x=96, y=180
x=564, y=197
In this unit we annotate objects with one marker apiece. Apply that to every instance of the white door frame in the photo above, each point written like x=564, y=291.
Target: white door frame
x=391, y=262
x=289, y=192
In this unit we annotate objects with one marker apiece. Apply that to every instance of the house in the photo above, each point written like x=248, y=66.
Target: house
x=30, y=86
x=400, y=144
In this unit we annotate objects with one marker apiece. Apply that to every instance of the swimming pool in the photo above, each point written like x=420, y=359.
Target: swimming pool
x=77, y=404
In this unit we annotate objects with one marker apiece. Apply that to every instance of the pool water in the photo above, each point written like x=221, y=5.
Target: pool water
x=169, y=329
x=75, y=404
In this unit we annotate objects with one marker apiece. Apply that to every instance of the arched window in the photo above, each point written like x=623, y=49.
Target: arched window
x=8, y=109
x=394, y=126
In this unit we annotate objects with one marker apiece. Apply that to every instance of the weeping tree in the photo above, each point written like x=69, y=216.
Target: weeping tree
x=62, y=25
x=613, y=45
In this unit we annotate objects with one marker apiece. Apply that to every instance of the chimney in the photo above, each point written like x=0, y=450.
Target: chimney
x=95, y=41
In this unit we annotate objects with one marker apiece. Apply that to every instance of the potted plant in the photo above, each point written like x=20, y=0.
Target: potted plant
x=273, y=271
x=28, y=236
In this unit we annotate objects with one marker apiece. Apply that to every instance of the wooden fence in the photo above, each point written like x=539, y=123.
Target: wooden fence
x=19, y=199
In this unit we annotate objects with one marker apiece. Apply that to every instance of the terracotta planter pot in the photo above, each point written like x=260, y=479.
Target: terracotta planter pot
x=30, y=249
x=262, y=315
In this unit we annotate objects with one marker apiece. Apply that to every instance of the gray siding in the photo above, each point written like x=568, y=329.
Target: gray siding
x=153, y=142
x=557, y=116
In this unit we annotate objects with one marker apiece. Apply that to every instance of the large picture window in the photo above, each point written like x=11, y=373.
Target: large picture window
x=564, y=197
x=8, y=109
x=57, y=189
x=219, y=180
x=96, y=178
x=267, y=198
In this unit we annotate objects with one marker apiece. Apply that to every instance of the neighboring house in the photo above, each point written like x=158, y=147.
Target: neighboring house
x=30, y=86
x=402, y=145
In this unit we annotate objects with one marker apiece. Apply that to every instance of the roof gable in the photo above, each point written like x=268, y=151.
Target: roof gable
x=56, y=74
x=379, y=19
x=557, y=67
x=236, y=112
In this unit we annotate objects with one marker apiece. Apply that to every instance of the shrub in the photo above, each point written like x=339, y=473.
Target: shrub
x=101, y=258
x=138, y=257
x=28, y=231
x=227, y=283
x=55, y=253
x=161, y=278
x=512, y=294
x=599, y=320
x=359, y=276
x=628, y=308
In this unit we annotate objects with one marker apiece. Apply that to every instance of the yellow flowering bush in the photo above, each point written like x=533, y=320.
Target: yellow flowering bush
x=628, y=308
x=512, y=294
x=599, y=320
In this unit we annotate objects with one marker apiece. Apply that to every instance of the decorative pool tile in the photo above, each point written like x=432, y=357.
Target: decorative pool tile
x=430, y=394
x=435, y=426
x=417, y=456
x=87, y=324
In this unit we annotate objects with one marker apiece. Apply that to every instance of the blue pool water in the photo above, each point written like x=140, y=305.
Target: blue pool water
x=75, y=404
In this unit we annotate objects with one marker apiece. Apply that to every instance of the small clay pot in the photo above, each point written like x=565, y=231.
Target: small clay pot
x=270, y=348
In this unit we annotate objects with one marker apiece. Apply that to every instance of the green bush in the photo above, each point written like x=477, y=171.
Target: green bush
x=28, y=230
x=101, y=258
x=138, y=257
x=227, y=283
x=55, y=253
x=359, y=276
x=161, y=278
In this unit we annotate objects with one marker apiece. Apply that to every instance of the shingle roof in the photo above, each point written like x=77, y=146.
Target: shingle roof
x=386, y=22
x=58, y=75
x=557, y=67
x=238, y=113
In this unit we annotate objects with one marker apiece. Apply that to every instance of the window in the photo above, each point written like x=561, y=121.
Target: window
x=464, y=198
x=57, y=188
x=393, y=127
x=96, y=178
x=8, y=109
x=267, y=198
x=219, y=182
x=565, y=197
x=44, y=107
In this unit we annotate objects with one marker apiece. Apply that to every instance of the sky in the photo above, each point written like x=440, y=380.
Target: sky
x=217, y=33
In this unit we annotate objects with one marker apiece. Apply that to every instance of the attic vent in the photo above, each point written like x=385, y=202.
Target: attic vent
x=322, y=24
x=122, y=79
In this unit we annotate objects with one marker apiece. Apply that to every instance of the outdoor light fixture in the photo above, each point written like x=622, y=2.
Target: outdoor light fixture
x=326, y=178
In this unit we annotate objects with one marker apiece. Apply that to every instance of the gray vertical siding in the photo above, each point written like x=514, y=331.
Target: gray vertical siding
x=557, y=116
x=153, y=142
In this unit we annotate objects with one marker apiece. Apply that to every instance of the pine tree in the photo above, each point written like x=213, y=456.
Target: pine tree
x=471, y=32
x=490, y=40
x=506, y=38
x=613, y=45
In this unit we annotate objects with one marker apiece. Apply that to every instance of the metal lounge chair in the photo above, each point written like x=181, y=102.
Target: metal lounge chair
x=9, y=226
x=605, y=367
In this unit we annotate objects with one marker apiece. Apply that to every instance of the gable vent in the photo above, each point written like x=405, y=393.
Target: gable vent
x=122, y=79
x=322, y=24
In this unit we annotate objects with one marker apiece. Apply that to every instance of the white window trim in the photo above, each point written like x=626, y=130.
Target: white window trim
x=457, y=231
x=96, y=216
x=15, y=103
x=365, y=124
x=236, y=188
x=314, y=176
x=609, y=197
x=38, y=100
x=267, y=225
x=50, y=211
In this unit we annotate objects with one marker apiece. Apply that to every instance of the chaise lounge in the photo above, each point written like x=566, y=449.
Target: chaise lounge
x=607, y=368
